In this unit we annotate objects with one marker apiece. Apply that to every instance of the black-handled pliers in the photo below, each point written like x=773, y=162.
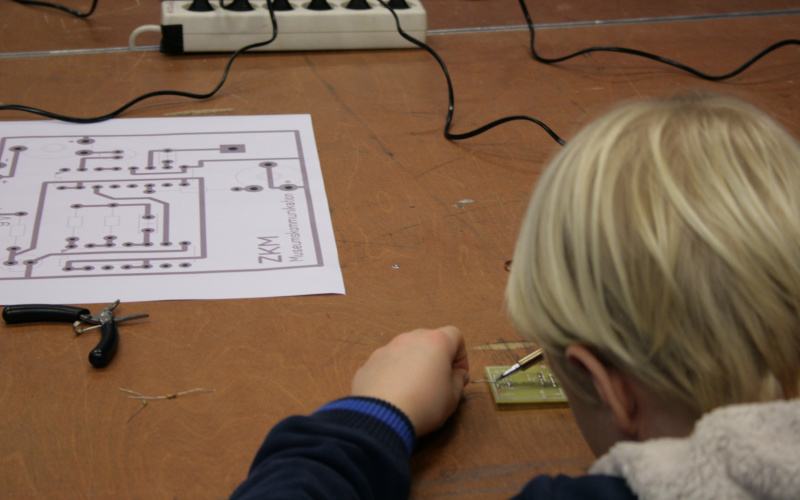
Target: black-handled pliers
x=102, y=354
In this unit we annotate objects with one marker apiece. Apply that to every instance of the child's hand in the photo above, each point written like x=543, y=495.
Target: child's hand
x=423, y=373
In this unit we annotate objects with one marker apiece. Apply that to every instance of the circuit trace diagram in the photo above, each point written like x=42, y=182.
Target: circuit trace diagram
x=94, y=205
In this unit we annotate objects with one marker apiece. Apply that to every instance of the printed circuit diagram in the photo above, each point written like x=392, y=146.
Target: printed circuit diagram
x=98, y=205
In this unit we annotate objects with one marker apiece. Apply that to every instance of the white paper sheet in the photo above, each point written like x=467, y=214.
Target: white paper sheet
x=162, y=209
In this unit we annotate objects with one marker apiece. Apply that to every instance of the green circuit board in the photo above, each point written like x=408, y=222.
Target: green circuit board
x=536, y=385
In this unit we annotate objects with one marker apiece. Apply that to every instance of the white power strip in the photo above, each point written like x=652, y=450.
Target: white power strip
x=340, y=28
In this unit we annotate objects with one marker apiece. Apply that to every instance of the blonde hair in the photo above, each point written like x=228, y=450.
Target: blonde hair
x=666, y=237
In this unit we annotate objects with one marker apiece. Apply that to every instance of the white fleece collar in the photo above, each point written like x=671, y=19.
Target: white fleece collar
x=749, y=451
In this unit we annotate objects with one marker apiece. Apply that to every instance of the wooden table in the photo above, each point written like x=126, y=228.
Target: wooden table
x=412, y=252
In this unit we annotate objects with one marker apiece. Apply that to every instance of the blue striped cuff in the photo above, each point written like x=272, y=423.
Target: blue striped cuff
x=380, y=410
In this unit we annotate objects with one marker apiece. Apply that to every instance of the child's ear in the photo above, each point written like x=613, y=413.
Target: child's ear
x=613, y=386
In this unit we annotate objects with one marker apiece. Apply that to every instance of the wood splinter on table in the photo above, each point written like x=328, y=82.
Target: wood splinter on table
x=144, y=399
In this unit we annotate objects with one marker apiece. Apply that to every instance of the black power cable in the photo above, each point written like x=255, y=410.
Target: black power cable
x=451, y=97
x=60, y=7
x=480, y=130
x=179, y=93
x=647, y=55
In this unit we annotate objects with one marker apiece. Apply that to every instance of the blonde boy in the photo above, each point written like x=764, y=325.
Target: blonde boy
x=658, y=266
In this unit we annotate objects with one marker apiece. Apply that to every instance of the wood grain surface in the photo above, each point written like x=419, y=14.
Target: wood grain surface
x=413, y=251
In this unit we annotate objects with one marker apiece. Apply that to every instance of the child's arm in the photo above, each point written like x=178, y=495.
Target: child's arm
x=423, y=373
x=358, y=447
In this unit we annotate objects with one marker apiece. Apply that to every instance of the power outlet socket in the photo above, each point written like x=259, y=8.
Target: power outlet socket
x=340, y=28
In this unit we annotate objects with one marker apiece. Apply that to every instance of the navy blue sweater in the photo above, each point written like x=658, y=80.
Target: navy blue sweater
x=359, y=448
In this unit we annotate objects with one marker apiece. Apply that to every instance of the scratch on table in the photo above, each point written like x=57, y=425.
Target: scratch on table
x=343, y=241
x=504, y=345
x=196, y=112
x=461, y=203
x=435, y=167
x=406, y=228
